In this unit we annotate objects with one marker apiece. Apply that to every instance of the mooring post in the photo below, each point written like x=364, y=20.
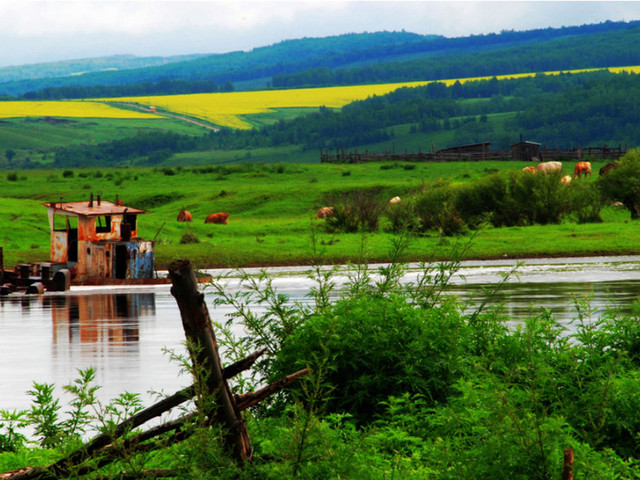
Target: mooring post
x=199, y=332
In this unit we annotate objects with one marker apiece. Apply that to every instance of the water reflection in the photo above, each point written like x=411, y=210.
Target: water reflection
x=122, y=333
x=102, y=318
x=48, y=338
x=562, y=299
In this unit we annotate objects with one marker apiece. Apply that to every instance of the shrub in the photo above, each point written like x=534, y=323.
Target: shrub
x=515, y=198
x=403, y=217
x=189, y=237
x=437, y=210
x=586, y=202
x=67, y=174
x=378, y=346
x=342, y=220
x=356, y=210
x=622, y=184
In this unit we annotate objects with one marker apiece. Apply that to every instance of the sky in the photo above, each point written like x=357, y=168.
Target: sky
x=52, y=30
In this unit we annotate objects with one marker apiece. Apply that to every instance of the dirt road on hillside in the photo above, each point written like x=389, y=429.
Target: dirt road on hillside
x=167, y=114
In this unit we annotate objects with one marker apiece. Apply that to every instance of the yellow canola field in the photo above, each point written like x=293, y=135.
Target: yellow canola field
x=227, y=109
x=76, y=109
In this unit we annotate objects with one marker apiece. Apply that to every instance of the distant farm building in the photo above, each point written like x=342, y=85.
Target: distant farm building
x=474, y=151
x=526, y=151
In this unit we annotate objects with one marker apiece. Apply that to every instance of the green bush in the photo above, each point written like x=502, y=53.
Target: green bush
x=403, y=217
x=515, y=199
x=378, y=346
x=622, y=184
x=586, y=202
x=436, y=208
x=358, y=210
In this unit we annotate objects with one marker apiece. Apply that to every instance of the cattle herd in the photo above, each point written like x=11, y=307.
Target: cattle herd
x=581, y=169
x=220, y=218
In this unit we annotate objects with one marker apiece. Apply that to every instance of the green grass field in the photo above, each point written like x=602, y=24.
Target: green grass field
x=272, y=213
x=33, y=137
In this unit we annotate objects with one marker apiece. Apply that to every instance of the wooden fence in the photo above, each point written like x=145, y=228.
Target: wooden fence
x=343, y=156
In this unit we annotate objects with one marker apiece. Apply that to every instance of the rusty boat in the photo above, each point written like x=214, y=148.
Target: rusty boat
x=93, y=242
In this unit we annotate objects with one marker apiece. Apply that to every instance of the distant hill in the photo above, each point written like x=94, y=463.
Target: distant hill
x=71, y=68
x=260, y=67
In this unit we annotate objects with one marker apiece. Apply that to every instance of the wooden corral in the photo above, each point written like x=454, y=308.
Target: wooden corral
x=523, y=151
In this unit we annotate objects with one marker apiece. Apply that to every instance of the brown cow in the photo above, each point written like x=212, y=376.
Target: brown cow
x=582, y=168
x=324, y=212
x=529, y=170
x=184, y=216
x=222, y=218
x=608, y=167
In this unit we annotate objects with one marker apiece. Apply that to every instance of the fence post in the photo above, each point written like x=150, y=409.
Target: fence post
x=199, y=331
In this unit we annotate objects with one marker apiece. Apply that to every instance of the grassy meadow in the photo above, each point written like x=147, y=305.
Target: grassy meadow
x=272, y=213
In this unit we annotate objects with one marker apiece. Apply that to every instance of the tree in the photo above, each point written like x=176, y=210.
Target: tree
x=622, y=184
x=10, y=154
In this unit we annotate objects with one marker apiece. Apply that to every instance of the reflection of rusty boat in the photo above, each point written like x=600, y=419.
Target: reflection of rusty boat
x=99, y=319
x=92, y=243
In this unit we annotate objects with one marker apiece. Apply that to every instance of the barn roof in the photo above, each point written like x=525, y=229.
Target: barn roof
x=91, y=209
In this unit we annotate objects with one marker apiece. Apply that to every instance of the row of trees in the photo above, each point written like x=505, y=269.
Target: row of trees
x=615, y=48
x=164, y=87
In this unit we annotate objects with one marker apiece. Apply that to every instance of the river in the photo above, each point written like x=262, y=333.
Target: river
x=122, y=332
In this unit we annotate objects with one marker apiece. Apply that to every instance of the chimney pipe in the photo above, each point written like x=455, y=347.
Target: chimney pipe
x=98, y=199
x=91, y=200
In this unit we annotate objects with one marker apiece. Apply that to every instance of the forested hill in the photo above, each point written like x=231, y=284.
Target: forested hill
x=351, y=58
x=603, y=49
x=82, y=66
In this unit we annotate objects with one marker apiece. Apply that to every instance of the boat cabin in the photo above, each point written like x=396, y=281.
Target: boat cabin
x=98, y=239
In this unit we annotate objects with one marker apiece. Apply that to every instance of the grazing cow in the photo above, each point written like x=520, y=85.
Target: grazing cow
x=608, y=167
x=548, y=167
x=566, y=180
x=221, y=218
x=582, y=168
x=395, y=201
x=529, y=169
x=324, y=212
x=184, y=216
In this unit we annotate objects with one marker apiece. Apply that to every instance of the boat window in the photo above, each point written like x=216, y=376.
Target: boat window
x=131, y=220
x=103, y=224
x=62, y=223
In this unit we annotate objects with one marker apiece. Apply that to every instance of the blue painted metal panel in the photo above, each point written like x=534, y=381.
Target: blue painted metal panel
x=140, y=259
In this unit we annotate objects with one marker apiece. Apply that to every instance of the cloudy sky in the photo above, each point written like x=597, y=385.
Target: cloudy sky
x=40, y=31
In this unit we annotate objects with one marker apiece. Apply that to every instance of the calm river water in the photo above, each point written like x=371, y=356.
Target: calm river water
x=122, y=332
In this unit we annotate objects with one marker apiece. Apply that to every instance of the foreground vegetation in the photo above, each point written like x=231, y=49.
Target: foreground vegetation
x=406, y=383
x=272, y=211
